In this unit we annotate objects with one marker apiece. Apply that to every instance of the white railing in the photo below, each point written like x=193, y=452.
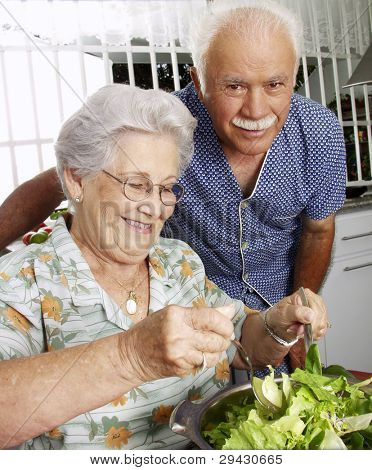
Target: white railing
x=43, y=81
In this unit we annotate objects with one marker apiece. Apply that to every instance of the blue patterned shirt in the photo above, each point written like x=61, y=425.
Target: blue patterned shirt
x=248, y=245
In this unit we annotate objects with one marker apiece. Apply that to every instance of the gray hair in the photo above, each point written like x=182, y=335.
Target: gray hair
x=258, y=19
x=88, y=139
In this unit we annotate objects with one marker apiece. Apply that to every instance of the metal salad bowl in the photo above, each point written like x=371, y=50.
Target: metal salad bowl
x=192, y=418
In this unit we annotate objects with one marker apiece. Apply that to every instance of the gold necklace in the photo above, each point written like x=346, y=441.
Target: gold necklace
x=131, y=303
x=132, y=299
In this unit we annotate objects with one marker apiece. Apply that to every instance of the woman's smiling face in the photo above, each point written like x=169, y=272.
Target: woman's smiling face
x=109, y=223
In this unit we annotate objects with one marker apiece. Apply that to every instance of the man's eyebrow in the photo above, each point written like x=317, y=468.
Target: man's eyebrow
x=232, y=79
x=278, y=78
x=240, y=80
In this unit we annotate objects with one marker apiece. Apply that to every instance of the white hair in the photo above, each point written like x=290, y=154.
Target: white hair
x=88, y=139
x=257, y=19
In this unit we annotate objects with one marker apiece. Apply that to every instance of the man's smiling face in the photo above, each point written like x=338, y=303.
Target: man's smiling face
x=248, y=88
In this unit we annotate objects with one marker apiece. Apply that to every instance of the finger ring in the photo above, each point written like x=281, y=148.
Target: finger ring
x=203, y=366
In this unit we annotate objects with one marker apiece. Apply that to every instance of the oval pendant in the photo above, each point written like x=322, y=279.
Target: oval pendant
x=131, y=306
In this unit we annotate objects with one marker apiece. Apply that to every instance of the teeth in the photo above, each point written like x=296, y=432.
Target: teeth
x=137, y=224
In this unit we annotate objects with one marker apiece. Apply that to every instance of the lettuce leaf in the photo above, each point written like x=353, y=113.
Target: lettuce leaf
x=332, y=441
x=251, y=435
x=313, y=363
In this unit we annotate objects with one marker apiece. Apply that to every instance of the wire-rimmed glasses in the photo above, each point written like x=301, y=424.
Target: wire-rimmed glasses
x=138, y=188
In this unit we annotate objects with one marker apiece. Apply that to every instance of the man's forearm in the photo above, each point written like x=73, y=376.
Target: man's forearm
x=312, y=260
x=28, y=205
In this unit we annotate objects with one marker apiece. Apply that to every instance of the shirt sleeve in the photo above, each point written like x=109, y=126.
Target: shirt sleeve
x=18, y=337
x=330, y=195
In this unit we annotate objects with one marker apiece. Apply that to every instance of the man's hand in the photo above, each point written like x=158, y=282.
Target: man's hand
x=286, y=320
x=29, y=205
x=288, y=317
x=314, y=252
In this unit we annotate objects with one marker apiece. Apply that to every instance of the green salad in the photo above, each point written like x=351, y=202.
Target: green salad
x=317, y=411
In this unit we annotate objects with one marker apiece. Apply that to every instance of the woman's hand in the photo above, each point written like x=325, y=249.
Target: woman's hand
x=171, y=342
x=288, y=317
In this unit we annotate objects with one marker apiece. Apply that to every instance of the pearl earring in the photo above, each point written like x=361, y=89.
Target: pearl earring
x=77, y=199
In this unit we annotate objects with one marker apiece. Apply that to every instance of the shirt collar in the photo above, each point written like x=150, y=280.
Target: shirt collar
x=80, y=281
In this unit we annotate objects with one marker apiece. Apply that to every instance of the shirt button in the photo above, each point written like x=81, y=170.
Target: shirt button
x=245, y=277
x=245, y=245
x=244, y=205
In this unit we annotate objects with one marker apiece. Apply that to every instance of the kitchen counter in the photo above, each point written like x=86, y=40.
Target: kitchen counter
x=357, y=203
x=347, y=289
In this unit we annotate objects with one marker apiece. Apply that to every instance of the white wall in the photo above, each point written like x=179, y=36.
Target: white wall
x=34, y=100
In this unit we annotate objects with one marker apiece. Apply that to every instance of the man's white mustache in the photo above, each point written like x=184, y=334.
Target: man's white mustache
x=258, y=125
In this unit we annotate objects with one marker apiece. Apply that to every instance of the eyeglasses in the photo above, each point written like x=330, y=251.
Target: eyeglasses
x=138, y=188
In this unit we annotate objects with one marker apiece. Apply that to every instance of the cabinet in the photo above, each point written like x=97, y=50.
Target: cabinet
x=347, y=292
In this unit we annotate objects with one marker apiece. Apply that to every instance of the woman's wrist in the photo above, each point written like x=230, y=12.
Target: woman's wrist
x=125, y=362
x=287, y=343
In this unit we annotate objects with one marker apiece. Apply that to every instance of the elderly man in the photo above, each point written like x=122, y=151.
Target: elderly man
x=268, y=172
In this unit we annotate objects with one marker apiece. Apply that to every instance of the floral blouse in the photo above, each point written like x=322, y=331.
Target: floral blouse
x=49, y=300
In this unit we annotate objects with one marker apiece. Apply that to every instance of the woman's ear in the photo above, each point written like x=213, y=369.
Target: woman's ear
x=74, y=184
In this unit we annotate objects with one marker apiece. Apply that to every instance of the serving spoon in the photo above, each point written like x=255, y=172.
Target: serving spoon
x=256, y=383
x=308, y=329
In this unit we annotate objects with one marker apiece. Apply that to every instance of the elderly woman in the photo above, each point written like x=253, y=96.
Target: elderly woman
x=104, y=328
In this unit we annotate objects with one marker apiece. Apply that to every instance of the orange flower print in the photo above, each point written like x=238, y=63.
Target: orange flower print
x=64, y=280
x=199, y=302
x=186, y=269
x=120, y=401
x=19, y=321
x=187, y=252
x=162, y=414
x=51, y=306
x=116, y=437
x=160, y=253
x=195, y=395
x=55, y=433
x=45, y=257
x=157, y=266
x=4, y=276
x=223, y=370
x=27, y=271
x=209, y=284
